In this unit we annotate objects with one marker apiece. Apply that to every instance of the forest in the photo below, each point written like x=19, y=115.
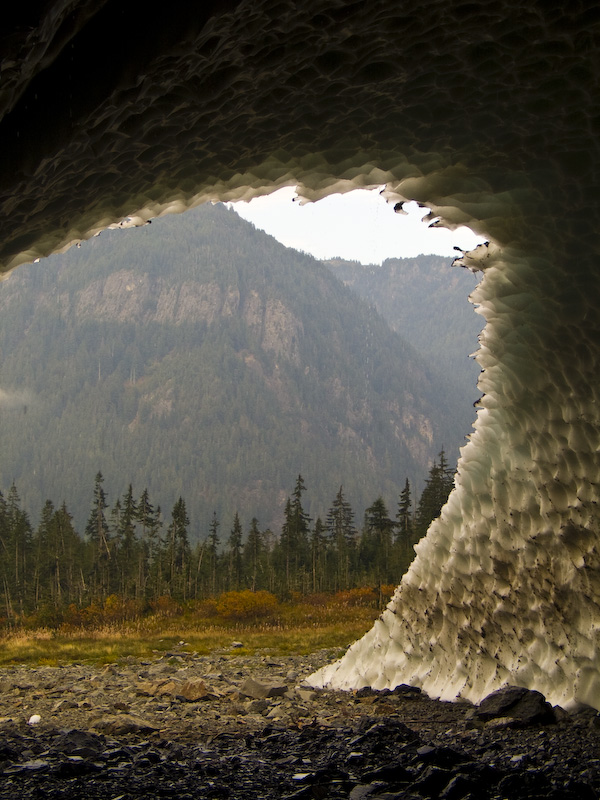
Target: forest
x=131, y=555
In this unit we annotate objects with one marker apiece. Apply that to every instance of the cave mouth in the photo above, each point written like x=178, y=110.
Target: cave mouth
x=488, y=116
x=501, y=590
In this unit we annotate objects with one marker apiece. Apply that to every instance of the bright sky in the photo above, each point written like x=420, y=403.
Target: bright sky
x=357, y=226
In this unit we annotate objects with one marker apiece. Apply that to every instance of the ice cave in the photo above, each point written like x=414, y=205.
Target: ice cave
x=486, y=112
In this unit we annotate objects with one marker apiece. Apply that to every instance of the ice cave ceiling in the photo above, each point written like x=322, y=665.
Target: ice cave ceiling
x=489, y=113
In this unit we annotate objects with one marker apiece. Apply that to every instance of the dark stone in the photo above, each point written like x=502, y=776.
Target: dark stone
x=79, y=743
x=432, y=781
x=525, y=784
x=441, y=756
x=362, y=791
x=366, y=691
x=462, y=786
x=390, y=773
x=75, y=766
x=524, y=706
x=404, y=689
x=580, y=789
x=37, y=765
x=7, y=753
x=260, y=691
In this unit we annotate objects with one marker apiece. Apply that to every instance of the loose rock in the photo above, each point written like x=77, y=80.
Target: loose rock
x=165, y=729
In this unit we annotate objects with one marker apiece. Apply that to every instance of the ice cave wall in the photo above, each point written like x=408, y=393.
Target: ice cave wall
x=488, y=113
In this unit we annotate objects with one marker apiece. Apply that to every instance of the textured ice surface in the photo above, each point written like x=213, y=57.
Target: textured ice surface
x=489, y=113
x=505, y=588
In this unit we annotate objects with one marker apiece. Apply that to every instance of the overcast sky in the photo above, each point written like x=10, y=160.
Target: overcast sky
x=358, y=226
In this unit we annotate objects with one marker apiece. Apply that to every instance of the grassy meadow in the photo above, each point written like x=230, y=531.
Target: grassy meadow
x=117, y=630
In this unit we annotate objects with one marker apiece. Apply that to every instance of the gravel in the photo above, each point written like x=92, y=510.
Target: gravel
x=230, y=726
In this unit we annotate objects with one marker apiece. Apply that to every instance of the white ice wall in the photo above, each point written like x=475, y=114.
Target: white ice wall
x=505, y=587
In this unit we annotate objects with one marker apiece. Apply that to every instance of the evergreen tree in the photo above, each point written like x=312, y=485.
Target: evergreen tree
x=126, y=546
x=318, y=545
x=293, y=542
x=405, y=527
x=377, y=533
x=46, y=559
x=58, y=551
x=177, y=551
x=150, y=550
x=234, y=554
x=69, y=583
x=212, y=552
x=5, y=558
x=284, y=552
x=340, y=526
x=19, y=539
x=435, y=494
x=253, y=553
x=99, y=544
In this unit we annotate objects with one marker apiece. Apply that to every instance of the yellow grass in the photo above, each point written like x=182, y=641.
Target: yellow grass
x=296, y=629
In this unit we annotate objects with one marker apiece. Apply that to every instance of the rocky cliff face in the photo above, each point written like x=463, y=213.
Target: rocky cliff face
x=128, y=296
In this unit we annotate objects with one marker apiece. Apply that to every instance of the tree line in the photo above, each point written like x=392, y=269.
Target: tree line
x=131, y=551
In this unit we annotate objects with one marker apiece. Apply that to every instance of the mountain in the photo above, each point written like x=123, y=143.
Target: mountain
x=199, y=357
x=425, y=300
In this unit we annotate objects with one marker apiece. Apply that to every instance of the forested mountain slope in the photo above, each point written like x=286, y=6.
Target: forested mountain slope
x=425, y=300
x=198, y=357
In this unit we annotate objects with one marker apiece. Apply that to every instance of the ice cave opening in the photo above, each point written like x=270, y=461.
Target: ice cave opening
x=489, y=114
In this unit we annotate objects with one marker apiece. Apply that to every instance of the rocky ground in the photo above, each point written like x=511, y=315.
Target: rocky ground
x=225, y=726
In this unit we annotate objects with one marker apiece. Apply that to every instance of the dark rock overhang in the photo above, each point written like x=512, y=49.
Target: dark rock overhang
x=110, y=110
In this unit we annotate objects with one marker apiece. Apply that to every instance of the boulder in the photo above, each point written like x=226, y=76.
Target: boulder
x=192, y=691
x=124, y=724
x=519, y=705
x=260, y=691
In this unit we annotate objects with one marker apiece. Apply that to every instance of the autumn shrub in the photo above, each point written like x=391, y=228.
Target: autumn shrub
x=363, y=596
x=317, y=599
x=206, y=608
x=72, y=617
x=387, y=590
x=47, y=616
x=246, y=605
x=119, y=609
x=166, y=606
x=113, y=608
x=92, y=616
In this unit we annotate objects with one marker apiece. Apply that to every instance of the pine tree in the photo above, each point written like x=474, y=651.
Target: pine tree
x=318, y=544
x=126, y=546
x=46, y=559
x=212, y=552
x=234, y=553
x=5, y=558
x=294, y=539
x=177, y=552
x=378, y=530
x=253, y=555
x=70, y=583
x=98, y=537
x=19, y=551
x=150, y=551
x=58, y=551
x=405, y=527
x=340, y=526
x=435, y=494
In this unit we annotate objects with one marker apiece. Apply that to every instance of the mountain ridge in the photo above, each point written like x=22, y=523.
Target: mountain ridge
x=198, y=356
